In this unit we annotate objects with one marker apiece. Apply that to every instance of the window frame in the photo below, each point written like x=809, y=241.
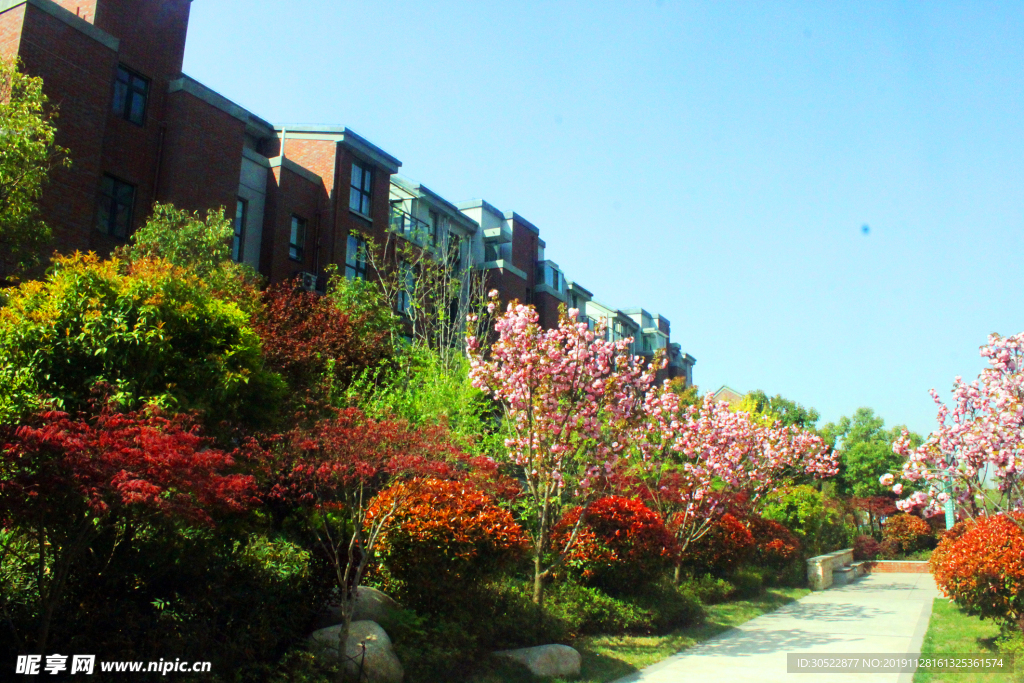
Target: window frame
x=364, y=191
x=122, y=104
x=297, y=250
x=112, y=201
x=238, y=237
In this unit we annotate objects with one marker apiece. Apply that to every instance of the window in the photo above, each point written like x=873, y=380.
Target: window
x=114, y=210
x=130, y=94
x=297, y=239
x=238, y=240
x=362, y=188
x=355, y=258
x=435, y=227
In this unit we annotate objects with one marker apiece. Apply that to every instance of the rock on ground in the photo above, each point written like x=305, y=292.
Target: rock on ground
x=546, y=660
x=380, y=664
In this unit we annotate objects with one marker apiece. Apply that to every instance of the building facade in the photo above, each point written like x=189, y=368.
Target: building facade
x=304, y=198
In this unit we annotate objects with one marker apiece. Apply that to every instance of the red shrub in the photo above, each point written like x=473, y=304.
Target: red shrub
x=65, y=466
x=441, y=535
x=865, y=548
x=775, y=546
x=983, y=569
x=888, y=549
x=722, y=548
x=946, y=541
x=909, y=531
x=310, y=341
x=622, y=543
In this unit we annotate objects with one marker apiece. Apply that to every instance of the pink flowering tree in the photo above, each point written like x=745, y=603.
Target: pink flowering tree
x=976, y=455
x=692, y=462
x=569, y=400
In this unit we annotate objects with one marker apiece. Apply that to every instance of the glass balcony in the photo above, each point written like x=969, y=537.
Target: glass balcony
x=408, y=226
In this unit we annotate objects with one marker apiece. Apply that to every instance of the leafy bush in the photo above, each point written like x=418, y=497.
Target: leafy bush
x=315, y=345
x=749, y=582
x=946, y=541
x=983, y=569
x=726, y=544
x=659, y=608
x=441, y=537
x=816, y=521
x=889, y=549
x=152, y=331
x=621, y=546
x=865, y=548
x=775, y=546
x=709, y=589
x=909, y=531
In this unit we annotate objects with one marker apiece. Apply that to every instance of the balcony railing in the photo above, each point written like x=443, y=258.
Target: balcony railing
x=410, y=227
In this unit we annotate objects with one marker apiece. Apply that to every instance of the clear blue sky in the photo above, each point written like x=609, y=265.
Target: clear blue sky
x=715, y=162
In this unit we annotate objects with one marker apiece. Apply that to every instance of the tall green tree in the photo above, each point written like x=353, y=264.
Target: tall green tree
x=779, y=410
x=27, y=155
x=865, y=452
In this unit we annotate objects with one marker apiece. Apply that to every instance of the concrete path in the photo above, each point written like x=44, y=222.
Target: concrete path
x=878, y=613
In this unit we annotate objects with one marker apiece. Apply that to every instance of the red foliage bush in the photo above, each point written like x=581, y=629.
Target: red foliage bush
x=775, y=546
x=349, y=457
x=865, y=548
x=909, y=531
x=722, y=548
x=621, y=544
x=310, y=341
x=946, y=541
x=63, y=465
x=888, y=549
x=983, y=569
x=442, y=534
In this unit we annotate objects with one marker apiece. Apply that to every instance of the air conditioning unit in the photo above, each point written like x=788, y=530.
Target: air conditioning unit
x=308, y=281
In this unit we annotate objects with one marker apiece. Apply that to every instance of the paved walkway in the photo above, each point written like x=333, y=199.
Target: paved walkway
x=879, y=613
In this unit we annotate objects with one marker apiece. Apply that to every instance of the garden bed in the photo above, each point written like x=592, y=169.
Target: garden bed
x=896, y=566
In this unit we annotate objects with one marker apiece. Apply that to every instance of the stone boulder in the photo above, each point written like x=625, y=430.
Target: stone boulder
x=380, y=664
x=371, y=605
x=546, y=660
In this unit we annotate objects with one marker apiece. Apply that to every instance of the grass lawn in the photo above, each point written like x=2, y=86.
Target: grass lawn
x=606, y=658
x=950, y=631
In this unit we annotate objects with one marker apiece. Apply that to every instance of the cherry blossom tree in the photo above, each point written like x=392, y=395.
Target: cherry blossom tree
x=976, y=456
x=570, y=399
x=693, y=461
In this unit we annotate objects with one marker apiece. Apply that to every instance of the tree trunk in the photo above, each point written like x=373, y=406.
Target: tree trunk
x=677, y=574
x=538, y=581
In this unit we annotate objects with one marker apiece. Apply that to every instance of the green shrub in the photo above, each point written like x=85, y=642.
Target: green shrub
x=816, y=520
x=709, y=589
x=151, y=331
x=671, y=606
x=587, y=610
x=749, y=582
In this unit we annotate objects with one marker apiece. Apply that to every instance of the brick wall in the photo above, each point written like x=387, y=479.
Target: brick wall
x=290, y=194
x=152, y=33
x=321, y=157
x=202, y=155
x=10, y=31
x=349, y=222
x=547, y=309
x=78, y=78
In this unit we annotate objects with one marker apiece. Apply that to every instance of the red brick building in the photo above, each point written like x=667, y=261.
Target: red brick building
x=303, y=197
